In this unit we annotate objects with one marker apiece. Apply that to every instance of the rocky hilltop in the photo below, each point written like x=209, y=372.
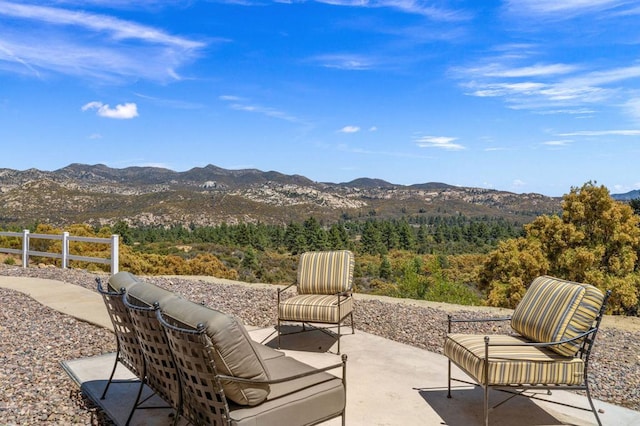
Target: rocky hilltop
x=211, y=195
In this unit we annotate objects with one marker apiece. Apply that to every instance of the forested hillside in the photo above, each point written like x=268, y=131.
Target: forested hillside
x=453, y=258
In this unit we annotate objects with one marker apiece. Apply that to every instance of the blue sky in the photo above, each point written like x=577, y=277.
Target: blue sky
x=523, y=96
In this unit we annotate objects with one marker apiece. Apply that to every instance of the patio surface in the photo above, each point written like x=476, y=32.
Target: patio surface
x=388, y=383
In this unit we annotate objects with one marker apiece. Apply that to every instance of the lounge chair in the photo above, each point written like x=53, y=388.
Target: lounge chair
x=324, y=284
x=161, y=373
x=293, y=393
x=128, y=351
x=556, y=324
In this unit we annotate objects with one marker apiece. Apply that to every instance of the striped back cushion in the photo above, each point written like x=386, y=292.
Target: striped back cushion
x=582, y=320
x=325, y=272
x=553, y=309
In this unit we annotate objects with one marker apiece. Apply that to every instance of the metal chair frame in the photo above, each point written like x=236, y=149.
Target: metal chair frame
x=160, y=368
x=128, y=351
x=204, y=397
x=583, y=352
x=340, y=297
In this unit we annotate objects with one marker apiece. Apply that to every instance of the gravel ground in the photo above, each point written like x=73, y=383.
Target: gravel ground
x=34, y=339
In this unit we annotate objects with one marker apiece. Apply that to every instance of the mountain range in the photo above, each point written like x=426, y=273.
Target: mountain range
x=100, y=195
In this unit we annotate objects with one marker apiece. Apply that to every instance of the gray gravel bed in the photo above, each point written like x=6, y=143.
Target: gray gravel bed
x=35, y=390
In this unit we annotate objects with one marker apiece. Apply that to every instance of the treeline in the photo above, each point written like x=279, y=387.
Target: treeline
x=454, y=259
x=443, y=235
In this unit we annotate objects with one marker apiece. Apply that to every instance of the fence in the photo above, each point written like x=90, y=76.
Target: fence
x=26, y=251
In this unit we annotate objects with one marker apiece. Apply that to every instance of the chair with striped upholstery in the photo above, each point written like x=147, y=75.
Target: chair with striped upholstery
x=324, y=284
x=555, y=328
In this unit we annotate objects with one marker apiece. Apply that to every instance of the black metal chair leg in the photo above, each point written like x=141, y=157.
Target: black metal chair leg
x=113, y=371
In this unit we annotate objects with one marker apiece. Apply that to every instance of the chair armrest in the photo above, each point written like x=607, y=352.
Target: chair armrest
x=451, y=320
x=542, y=344
x=280, y=290
x=342, y=365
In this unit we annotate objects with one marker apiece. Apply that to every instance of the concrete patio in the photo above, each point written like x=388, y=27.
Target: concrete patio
x=388, y=383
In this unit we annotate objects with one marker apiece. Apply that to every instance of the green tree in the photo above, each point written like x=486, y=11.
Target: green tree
x=371, y=239
x=385, y=268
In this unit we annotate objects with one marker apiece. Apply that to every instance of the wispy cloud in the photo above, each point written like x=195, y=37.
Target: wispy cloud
x=549, y=88
x=562, y=9
x=441, y=142
x=628, y=132
x=54, y=39
x=120, y=111
x=349, y=62
x=536, y=70
x=406, y=6
x=557, y=143
x=350, y=129
x=241, y=104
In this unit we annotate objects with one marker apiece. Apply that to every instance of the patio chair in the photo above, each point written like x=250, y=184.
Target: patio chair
x=556, y=324
x=128, y=351
x=324, y=284
x=294, y=393
x=161, y=373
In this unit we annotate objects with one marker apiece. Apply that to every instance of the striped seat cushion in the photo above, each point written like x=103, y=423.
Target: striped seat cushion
x=325, y=272
x=553, y=309
x=315, y=308
x=512, y=364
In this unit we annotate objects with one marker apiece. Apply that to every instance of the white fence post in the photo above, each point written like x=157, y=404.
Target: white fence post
x=65, y=249
x=115, y=261
x=25, y=248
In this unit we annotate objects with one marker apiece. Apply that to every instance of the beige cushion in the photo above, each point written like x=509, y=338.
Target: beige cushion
x=512, y=364
x=553, y=310
x=319, y=396
x=234, y=352
x=121, y=280
x=315, y=308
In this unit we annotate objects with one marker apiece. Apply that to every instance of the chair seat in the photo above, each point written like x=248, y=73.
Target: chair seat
x=510, y=365
x=315, y=308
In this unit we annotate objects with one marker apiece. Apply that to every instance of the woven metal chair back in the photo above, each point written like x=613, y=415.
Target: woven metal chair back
x=162, y=375
x=203, y=397
x=129, y=353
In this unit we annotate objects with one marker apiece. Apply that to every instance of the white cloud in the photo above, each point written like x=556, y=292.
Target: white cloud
x=240, y=104
x=349, y=62
x=603, y=133
x=406, y=6
x=557, y=143
x=633, y=108
x=121, y=111
x=442, y=142
x=117, y=28
x=42, y=39
x=373, y=129
x=497, y=70
x=518, y=183
x=350, y=129
x=550, y=88
x=561, y=9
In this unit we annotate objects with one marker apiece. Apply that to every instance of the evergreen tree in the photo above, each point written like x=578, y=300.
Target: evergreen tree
x=385, y=268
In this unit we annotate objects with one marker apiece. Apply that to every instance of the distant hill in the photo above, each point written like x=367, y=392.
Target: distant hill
x=631, y=195
x=211, y=195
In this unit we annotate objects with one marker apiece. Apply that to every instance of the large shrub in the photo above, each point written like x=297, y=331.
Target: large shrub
x=596, y=240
